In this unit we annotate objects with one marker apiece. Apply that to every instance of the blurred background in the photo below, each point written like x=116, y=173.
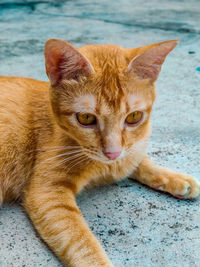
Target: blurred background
x=25, y=25
x=136, y=225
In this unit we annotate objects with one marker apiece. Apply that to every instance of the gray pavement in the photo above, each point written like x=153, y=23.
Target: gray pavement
x=136, y=225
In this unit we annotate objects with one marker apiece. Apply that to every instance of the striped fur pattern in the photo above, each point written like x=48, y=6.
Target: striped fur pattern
x=47, y=157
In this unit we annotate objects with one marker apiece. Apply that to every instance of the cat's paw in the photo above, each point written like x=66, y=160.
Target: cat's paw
x=191, y=188
x=180, y=186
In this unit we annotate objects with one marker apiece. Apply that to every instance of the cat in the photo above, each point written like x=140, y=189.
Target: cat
x=90, y=125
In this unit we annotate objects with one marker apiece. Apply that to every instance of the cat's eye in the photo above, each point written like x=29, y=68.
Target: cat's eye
x=86, y=119
x=134, y=117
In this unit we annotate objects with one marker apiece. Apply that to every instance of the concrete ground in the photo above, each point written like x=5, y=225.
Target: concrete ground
x=136, y=225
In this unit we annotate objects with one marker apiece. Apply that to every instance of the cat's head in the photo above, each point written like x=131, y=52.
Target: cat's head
x=102, y=95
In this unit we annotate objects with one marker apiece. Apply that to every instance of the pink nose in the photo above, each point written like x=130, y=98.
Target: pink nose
x=112, y=155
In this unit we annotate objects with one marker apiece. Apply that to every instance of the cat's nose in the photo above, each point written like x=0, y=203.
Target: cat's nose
x=112, y=155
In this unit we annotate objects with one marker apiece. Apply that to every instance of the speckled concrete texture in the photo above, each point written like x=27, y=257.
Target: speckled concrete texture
x=136, y=225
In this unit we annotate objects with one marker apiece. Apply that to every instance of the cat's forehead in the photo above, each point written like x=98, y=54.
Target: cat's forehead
x=92, y=103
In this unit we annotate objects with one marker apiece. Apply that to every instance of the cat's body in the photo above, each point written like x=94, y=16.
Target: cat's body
x=50, y=150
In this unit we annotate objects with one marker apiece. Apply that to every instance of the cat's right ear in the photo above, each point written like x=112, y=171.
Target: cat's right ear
x=64, y=62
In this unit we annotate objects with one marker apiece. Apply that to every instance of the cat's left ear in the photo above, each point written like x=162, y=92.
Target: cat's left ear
x=148, y=64
x=64, y=62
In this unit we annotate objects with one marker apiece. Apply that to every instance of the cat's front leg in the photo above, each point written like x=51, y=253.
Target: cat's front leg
x=57, y=218
x=160, y=178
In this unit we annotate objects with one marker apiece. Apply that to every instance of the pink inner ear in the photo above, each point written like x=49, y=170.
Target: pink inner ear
x=64, y=62
x=148, y=64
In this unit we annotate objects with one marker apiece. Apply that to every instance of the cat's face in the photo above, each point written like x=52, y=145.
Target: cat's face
x=103, y=96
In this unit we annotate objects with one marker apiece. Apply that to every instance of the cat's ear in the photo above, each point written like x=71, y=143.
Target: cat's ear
x=64, y=62
x=148, y=64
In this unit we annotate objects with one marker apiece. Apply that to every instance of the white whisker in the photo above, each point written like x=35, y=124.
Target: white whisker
x=95, y=157
x=76, y=160
x=68, y=159
x=53, y=148
x=77, y=163
x=64, y=154
x=60, y=147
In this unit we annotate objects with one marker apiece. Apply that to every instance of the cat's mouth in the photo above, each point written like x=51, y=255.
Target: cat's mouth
x=106, y=158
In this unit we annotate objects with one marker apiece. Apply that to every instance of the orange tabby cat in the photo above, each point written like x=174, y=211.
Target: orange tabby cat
x=90, y=125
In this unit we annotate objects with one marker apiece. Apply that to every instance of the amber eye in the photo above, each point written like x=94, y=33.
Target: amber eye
x=86, y=119
x=134, y=117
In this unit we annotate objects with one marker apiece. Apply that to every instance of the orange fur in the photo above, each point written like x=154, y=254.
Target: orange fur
x=46, y=157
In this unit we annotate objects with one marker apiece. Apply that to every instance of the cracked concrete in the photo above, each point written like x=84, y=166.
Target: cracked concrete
x=136, y=225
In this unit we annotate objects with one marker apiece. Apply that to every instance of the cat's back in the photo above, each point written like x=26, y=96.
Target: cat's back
x=23, y=102
x=20, y=98
x=18, y=87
